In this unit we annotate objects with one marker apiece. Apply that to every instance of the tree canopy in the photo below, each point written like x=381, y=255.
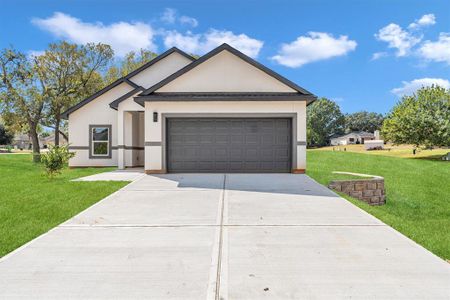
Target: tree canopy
x=70, y=73
x=422, y=119
x=324, y=119
x=363, y=121
x=23, y=94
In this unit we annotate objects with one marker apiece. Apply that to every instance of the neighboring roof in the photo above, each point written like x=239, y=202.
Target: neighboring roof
x=125, y=79
x=358, y=133
x=212, y=53
x=225, y=96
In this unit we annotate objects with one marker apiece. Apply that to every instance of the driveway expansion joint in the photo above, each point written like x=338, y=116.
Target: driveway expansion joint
x=219, y=260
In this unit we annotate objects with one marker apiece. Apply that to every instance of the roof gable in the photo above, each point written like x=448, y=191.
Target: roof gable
x=225, y=69
x=126, y=79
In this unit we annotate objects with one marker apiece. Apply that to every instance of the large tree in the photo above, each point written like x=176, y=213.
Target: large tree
x=363, y=121
x=70, y=73
x=23, y=94
x=422, y=119
x=324, y=119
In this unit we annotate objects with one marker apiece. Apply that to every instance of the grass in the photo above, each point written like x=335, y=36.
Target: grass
x=32, y=204
x=404, y=151
x=418, y=201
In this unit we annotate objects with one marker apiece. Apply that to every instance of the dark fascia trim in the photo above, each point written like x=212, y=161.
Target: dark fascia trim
x=235, y=52
x=66, y=114
x=206, y=97
x=125, y=79
x=115, y=103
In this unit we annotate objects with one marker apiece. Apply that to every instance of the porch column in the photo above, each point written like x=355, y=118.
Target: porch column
x=300, y=166
x=121, y=140
x=153, y=141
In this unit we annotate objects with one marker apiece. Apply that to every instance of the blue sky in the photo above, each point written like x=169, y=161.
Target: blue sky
x=362, y=55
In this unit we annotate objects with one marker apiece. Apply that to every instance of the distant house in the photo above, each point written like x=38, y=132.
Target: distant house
x=356, y=137
x=50, y=140
x=22, y=141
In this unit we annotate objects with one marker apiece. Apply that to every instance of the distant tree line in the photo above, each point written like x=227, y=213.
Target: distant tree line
x=325, y=120
x=36, y=90
x=422, y=120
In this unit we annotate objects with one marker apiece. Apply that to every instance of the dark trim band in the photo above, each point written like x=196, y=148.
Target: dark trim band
x=301, y=143
x=129, y=147
x=153, y=143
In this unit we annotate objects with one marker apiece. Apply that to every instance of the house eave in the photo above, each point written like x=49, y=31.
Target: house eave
x=208, y=97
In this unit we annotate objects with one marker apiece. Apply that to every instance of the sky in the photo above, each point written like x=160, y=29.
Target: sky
x=363, y=55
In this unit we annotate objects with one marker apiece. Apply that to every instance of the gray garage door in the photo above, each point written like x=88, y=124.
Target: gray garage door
x=229, y=145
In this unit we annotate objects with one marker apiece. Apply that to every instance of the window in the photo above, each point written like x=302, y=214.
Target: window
x=351, y=140
x=100, y=141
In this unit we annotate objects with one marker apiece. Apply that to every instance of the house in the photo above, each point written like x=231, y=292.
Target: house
x=356, y=137
x=22, y=141
x=222, y=112
x=50, y=140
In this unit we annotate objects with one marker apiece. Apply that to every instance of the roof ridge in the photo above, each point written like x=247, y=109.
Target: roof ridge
x=234, y=51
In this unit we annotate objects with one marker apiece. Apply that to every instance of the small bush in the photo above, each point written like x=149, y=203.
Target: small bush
x=55, y=159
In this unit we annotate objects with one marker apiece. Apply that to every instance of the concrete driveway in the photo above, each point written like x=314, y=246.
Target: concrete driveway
x=215, y=236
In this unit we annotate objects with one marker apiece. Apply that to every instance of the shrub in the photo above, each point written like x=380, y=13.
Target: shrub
x=55, y=159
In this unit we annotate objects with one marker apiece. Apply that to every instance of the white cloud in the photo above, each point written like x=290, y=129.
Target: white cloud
x=425, y=20
x=122, y=36
x=313, y=47
x=410, y=87
x=438, y=51
x=378, y=55
x=202, y=43
x=170, y=16
x=398, y=38
x=189, y=21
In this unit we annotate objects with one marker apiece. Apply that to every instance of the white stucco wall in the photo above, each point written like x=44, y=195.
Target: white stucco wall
x=99, y=112
x=154, y=130
x=225, y=72
x=160, y=70
x=96, y=112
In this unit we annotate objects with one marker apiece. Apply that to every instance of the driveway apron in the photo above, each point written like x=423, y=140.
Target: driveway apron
x=217, y=236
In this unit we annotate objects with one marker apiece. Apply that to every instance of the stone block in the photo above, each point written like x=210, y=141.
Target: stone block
x=371, y=185
x=368, y=193
x=359, y=186
x=377, y=193
x=356, y=194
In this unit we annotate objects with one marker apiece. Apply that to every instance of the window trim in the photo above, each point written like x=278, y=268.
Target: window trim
x=91, y=144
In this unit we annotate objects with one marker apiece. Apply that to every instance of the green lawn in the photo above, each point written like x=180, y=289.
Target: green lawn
x=31, y=204
x=417, y=190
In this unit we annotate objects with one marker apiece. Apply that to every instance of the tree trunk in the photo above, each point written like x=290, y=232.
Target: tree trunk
x=35, y=142
x=57, y=125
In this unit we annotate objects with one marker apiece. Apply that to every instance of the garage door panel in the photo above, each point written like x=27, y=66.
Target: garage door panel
x=229, y=145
